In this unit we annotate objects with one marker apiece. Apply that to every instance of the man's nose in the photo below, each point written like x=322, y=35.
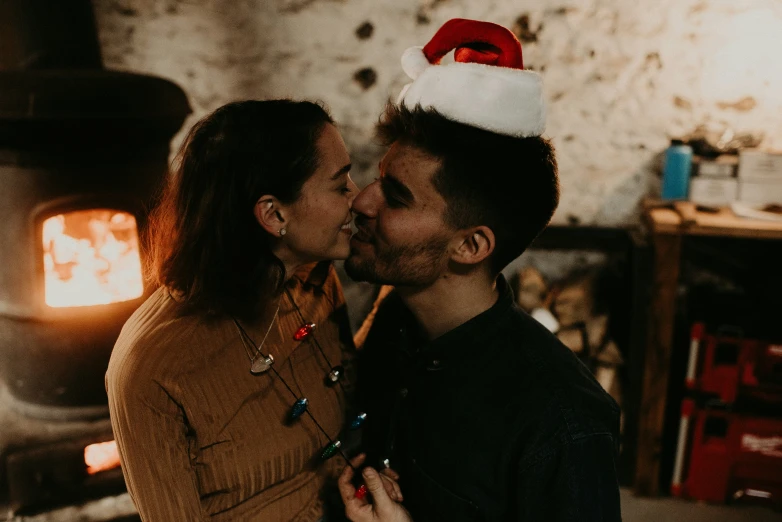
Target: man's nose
x=366, y=202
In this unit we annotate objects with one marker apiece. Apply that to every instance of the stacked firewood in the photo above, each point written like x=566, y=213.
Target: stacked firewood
x=569, y=309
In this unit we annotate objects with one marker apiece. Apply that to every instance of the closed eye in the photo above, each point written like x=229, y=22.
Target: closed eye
x=394, y=202
x=396, y=194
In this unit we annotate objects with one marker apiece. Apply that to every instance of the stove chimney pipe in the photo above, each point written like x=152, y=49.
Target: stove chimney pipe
x=48, y=34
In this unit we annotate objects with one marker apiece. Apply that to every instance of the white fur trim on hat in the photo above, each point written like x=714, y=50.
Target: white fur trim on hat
x=498, y=99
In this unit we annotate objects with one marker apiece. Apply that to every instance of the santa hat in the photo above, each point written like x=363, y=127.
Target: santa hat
x=486, y=87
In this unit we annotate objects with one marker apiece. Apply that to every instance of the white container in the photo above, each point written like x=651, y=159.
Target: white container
x=721, y=167
x=760, y=166
x=760, y=194
x=714, y=192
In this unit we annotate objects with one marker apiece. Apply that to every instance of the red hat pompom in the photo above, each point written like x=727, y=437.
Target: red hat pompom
x=475, y=42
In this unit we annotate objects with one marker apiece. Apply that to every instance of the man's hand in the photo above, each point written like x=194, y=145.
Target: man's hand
x=385, y=492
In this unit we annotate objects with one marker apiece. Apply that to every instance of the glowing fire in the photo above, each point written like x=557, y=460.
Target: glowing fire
x=91, y=257
x=102, y=456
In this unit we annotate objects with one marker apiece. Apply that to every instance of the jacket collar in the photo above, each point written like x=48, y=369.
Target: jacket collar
x=462, y=341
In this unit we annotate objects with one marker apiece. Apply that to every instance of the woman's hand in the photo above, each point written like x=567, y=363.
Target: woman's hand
x=385, y=491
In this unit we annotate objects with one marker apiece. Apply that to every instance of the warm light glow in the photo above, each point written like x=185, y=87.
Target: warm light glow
x=91, y=257
x=102, y=456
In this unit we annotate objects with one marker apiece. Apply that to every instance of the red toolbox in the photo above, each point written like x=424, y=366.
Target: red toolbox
x=729, y=365
x=731, y=457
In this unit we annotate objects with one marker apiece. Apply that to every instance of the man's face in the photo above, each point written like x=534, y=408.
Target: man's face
x=402, y=237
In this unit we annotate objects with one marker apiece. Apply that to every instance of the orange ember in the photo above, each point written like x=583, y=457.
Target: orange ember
x=102, y=456
x=91, y=257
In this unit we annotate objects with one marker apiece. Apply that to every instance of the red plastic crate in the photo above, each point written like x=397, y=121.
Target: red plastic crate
x=728, y=365
x=731, y=457
x=761, y=373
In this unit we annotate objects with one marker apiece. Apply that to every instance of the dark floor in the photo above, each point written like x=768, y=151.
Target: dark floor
x=120, y=509
x=636, y=509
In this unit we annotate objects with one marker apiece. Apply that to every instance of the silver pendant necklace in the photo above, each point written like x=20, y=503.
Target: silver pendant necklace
x=259, y=363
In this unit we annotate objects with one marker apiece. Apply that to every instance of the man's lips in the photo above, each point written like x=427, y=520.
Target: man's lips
x=362, y=235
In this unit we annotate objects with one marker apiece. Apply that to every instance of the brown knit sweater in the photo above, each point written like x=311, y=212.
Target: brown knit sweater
x=200, y=437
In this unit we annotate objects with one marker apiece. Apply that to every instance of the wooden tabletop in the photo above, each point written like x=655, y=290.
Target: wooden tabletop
x=686, y=220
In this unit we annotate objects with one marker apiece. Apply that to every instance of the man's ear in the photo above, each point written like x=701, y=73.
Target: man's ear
x=476, y=245
x=270, y=215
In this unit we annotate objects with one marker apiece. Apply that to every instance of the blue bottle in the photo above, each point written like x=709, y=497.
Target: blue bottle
x=676, y=172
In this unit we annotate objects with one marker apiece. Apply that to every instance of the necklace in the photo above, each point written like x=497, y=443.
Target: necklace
x=299, y=407
x=337, y=372
x=262, y=364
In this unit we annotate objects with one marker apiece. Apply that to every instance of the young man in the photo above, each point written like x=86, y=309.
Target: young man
x=482, y=412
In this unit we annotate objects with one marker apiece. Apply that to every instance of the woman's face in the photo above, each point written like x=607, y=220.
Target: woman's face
x=319, y=220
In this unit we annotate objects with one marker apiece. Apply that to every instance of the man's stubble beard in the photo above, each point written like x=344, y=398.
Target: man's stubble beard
x=410, y=265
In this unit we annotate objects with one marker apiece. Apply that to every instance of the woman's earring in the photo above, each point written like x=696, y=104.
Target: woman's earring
x=283, y=232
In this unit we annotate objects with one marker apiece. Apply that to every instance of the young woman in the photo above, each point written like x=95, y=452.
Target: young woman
x=208, y=379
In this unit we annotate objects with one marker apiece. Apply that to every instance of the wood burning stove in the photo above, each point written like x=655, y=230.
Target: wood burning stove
x=82, y=152
x=72, y=199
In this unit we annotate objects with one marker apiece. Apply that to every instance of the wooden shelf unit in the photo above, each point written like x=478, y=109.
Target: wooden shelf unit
x=667, y=226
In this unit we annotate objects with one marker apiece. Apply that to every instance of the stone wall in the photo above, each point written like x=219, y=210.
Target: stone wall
x=621, y=77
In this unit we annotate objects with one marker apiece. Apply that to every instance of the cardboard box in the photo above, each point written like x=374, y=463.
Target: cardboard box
x=760, y=194
x=760, y=166
x=713, y=191
x=724, y=166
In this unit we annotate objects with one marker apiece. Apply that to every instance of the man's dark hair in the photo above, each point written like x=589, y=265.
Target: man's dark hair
x=508, y=184
x=204, y=241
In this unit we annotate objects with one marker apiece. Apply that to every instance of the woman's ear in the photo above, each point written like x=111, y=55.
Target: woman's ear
x=270, y=215
x=476, y=245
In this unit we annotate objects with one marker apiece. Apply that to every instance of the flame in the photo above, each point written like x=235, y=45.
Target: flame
x=102, y=456
x=91, y=257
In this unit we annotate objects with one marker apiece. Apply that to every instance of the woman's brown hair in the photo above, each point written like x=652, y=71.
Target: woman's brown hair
x=203, y=239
